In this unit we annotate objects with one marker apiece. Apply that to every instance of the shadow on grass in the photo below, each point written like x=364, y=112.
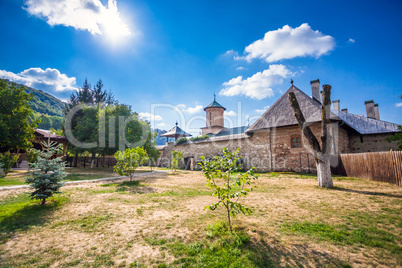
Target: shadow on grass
x=220, y=248
x=20, y=214
x=132, y=187
x=365, y=192
x=294, y=255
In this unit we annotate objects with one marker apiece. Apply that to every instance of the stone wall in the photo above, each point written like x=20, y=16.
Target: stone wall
x=371, y=143
x=267, y=150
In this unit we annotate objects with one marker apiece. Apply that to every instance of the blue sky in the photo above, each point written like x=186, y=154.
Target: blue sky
x=163, y=55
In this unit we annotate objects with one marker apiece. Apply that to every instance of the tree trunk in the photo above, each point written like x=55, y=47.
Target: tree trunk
x=43, y=201
x=321, y=154
x=92, y=160
x=324, y=174
x=76, y=160
x=230, y=223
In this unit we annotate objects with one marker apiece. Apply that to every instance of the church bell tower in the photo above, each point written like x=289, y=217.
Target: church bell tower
x=214, y=118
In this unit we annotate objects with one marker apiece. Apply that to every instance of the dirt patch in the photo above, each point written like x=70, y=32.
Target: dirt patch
x=112, y=224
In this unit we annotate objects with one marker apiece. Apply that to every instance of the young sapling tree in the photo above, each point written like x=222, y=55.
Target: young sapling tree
x=48, y=172
x=129, y=160
x=176, y=158
x=224, y=177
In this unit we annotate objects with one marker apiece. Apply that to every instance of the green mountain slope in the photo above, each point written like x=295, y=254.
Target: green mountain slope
x=43, y=102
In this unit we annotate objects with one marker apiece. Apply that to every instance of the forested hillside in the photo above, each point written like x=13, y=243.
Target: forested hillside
x=48, y=109
x=45, y=103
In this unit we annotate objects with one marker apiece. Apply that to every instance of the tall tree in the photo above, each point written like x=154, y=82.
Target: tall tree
x=100, y=95
x=321, y=154
x=99, y=121
x=15, y=129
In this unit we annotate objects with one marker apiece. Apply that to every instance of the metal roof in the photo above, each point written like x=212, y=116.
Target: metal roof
x=214, y=104
x=230, y=131
x=365, y=125
x=47, y=133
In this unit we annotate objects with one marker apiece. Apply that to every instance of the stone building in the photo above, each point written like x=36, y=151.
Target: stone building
x=275, y=142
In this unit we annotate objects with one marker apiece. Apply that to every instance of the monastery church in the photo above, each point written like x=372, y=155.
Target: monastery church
x=275, y=142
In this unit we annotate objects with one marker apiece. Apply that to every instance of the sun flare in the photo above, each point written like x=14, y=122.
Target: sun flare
x=113, y=27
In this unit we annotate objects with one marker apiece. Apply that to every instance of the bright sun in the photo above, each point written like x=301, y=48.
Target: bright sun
x=113, y=27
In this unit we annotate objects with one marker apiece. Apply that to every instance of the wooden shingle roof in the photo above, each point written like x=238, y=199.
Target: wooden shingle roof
x=281, y=114
x=176, y=132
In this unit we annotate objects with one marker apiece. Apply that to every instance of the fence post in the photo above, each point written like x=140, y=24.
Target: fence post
x=301, y=171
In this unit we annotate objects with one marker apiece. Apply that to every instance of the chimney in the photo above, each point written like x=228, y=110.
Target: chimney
x=345, y=110
x=315, y=89
x=370, y=109
x=336, y=105
x=376, y=111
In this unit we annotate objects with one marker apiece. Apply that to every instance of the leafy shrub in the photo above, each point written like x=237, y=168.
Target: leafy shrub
x=181, y=140
x=47, y=173
x=129, y=160
x=203, y=137
x=8, y=160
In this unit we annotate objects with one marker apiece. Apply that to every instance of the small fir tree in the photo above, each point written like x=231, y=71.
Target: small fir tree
x=47, y=173
x=224, y=176
x=129, y=160
x=176, y=158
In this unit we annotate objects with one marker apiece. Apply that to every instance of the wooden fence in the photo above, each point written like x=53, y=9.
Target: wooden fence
x=377, y=166
x=82, y=161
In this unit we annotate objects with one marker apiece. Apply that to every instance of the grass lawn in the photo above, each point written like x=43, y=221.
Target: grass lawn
x=159, y=221
x=17, y=177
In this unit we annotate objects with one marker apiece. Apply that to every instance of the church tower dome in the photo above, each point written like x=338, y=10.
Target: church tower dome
x=214, y=118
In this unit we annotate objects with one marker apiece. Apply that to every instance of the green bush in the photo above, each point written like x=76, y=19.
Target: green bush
x=181, y=140
x=203, y=137
x=7, y=161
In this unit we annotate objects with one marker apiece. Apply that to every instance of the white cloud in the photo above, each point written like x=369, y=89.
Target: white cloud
x=288, y=43
x=398, y=104
x=190, y=110
x=90, y=15
x=150, y=117
x=161, y=125
x=258, y=86
x=230, y=113
x=48, y=80
x=193, y=110
x=351, y=40
x=231, y=53
x=240, y=68
x=263, y=110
